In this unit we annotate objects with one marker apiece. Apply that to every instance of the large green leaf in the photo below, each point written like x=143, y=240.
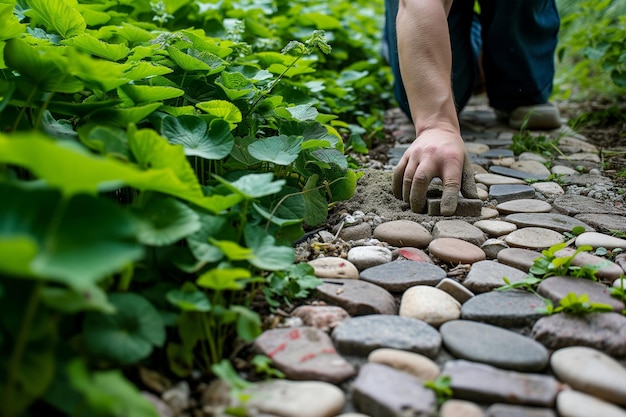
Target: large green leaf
x=96, y=73
x=124, y=117
x=235, y=85
x=79, y=240
x=199, y=241
x=343, y=185
x=142, y=69
x=47, y=70
x=59, y=16
x=301, y=112
x=11, y=27
x=145, y=93
x=280, y=150
x=315, y=205
x=17, y=253
x=163, y=221
x=187, y=62
x=214, y=141
x=222, y=109
x=268, y=256
x=220, y=279
x=126, y=336
x=253, y=186
x=88, y=43
x=189, y=298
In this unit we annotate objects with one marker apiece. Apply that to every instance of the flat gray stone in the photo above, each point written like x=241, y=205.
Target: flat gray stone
x=511, y=309
x=358, y=231
x=363, y=257
x=535, y=168
x=563, y=170
x=380, y=390
x=516, y=173
x=507, y=410
x=502, y=193
x=476, y=148
x=524, y=205
x=497, y=153
x=484, y=383
x=531, y=156
x=490, y=179
x=429, y=304
x=603, y=222
x=321, y=317
x=455, y=289
x=296, y=398
x=414, y=254
x=304, y=353
x=555, y=221
x=600, y=240
x=591, y=371
x=459, y=229
x=586, y=180
x=521, y=259
x=555, y=288
x=603, y=331
x=495, y=228
x=397, y=276
x=492, y=247
x=361, y=335
x=488, y=275
x=466, y=207
x=357, y=297
x=403, y=233
x=570, y=403
x=456, y=251
x=534, y=238
x=485, y=343
x=572, y=205
x=548, y=189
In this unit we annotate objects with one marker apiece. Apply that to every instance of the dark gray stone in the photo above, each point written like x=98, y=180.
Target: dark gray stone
x=513, y=308
x=572, y=205
x=586, y=180
x=603, y=331
x=357, y=297
x=514, y=173
x=304, y=353
x=485, y=343
x=519, y=258
x=488, y=275
x=361, y=335
x=381, y=391
x=359, y=231
x=555, y=288
x=467, y=207
x=604, y=222
x=554, y=221
x=508, y=192
x=507, y=410
x=398, y=276
x=483, y=383
x=497, y=153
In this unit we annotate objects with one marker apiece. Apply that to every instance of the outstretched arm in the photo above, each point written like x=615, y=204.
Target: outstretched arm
x=426, y=66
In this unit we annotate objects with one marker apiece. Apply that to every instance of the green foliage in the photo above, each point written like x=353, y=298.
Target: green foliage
x=289, y=284
x=575, y=304
x=441, y=388
x=592, y=60
x=263, y=366
x=525, y=141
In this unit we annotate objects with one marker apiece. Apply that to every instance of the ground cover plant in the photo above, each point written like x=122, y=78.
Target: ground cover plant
x=157, y=159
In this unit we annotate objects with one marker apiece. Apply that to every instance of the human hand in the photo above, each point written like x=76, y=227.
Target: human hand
x=434, y=153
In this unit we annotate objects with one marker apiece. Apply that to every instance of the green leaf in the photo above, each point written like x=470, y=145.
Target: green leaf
x=140, y=94
x=126, y=336
x=315, y=205
x=225, y=371
x=280, y=150
x=59, y=16
x=11, y=27
x=126, y=116
x=331, y=156
x=232, y=250
x=223, y=109
x=142, y=69
x=187, y=62
x=214, y=141
x=189, y=298
x=220, y=279
x=253, y=186
x=71, y=301
x=164, y=221
x=342, y=188
x=268, y=256
x=235, y=85
x=199, y=241
x=16, y=252
x=300, y=112
x=94, y=46
x=248, y=323
x=46, y=69
x=109, y=392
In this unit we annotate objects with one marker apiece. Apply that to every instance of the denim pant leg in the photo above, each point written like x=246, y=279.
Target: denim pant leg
x=463, y=56
x=519, y=40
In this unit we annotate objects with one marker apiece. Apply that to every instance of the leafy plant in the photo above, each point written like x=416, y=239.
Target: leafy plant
x=441, y=388
x=263, y=366
x=289, y=284
x=525, y=141
x=575, y=304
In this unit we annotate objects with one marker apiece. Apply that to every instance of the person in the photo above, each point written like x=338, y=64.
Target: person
x=433, y=48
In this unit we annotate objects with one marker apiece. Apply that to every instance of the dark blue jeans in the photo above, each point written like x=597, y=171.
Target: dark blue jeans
x=518, y=39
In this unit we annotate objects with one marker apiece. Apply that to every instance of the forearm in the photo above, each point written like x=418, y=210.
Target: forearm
x=426, y=63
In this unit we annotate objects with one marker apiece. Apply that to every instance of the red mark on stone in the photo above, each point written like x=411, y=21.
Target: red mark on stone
x=329, y=350
x=279, y=348
x=294, y=334
x=307, y=357
x=342, y=264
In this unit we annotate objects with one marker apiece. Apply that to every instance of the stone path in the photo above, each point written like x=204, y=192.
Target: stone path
x=413, y=300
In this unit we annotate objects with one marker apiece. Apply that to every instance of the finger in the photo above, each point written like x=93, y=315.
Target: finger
x=450, y=196
x=398, y=178
x=419, y=187
x=468, y=185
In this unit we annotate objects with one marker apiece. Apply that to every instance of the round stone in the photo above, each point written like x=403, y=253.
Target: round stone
x=521, y=259
x=458, y=229
x=430, y=305
x=460, y=408
x=514, y=308
x=489, y=213
x=492, y=247
x=411, y=362
x=524, y=205
x=495, y=179
x=590, y=371
x=476, y=148
x=548, y=189
x=532, y=167
x=480, y=342
x=563, y=170
x=555, y=221
x=534, y=238
x=455, y=289
x=363, y=257
x=531, y=156
x=397, y=276
x=599, y=240
x=334, y=267
x=495, y=228
x=403, y=233
x=456, y=251
x=571, y=403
